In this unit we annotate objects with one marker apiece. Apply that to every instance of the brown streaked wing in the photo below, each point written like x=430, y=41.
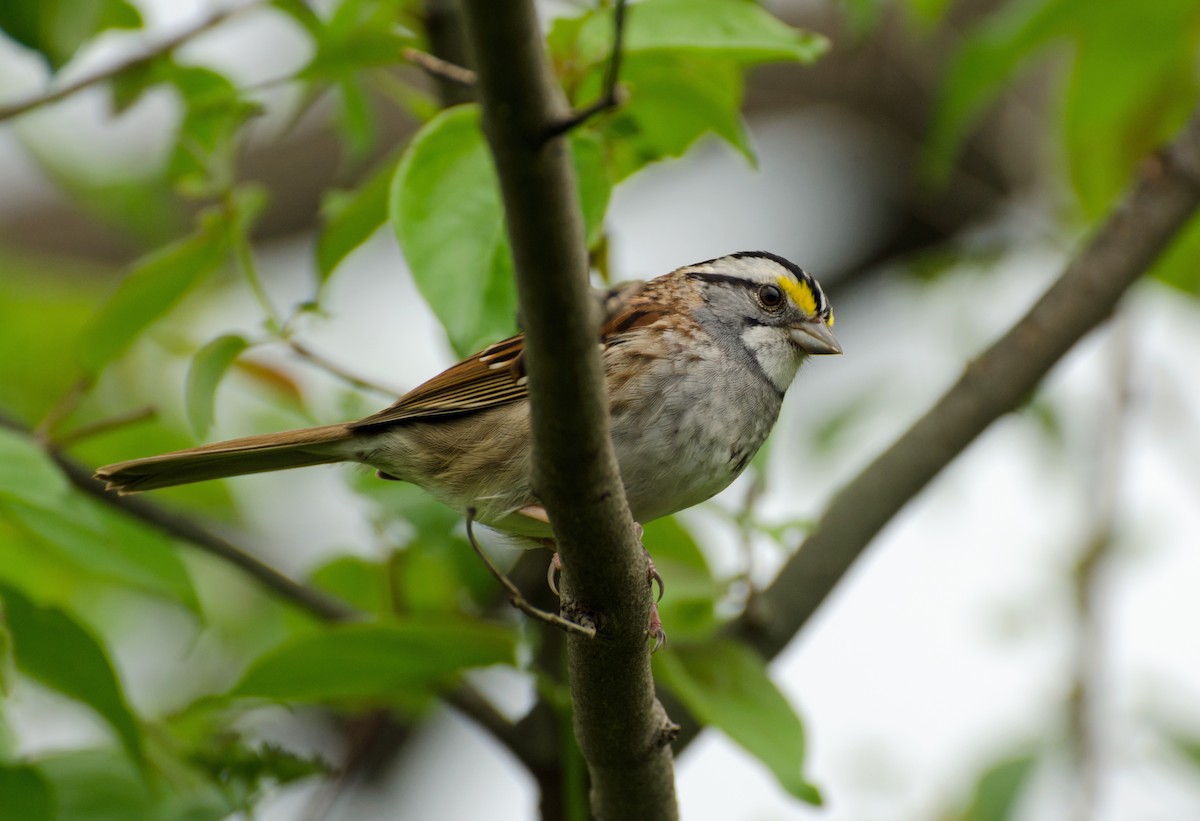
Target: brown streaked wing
x=494, y=376
x=631, y=317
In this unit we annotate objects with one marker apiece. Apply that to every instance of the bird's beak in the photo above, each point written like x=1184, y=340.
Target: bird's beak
x=815, y=338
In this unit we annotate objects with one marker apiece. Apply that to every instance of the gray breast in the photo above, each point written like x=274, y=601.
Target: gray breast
x=689, y=434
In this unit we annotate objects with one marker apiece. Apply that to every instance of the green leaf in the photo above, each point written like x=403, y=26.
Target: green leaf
x=446, y=211
x=128, y=86
x=26, y=472
x=96, y=785
x=730, y=29
x=25, y=795
x=36, y=571
x=1131, y=79
x=927, y=11
x=58, y=651
x=1134, y=80
x=36, y=497
x=244, y=773
x=153, y=286
x=208, y=366
x=986, y=58
x=29, y=292
x=726, y=685
x=7, y=664
x=100, y=785
x=356, y=581
x=999, y=789
x=360, y=34
x=106, y=545
x=302, y=13
x=355, y=119
x=673, y=101
x=214, y=111
x=375, y=661
x=436, y=568
x=57, y=28
x=352, y=217
x=595, y=183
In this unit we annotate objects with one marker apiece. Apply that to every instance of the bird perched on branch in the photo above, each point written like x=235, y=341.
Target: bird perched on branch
x=696, y=364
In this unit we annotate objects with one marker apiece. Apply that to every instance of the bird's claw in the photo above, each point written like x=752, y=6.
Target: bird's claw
x=655, y=627
x=653, y=578
x=655, y=630
x=552, y=574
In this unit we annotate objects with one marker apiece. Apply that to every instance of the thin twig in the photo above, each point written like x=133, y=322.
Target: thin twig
x=314, y=601
x=82, y=432
x=1084, y=738
x=302, y=350
x=611, y=98
x=177, y=526
x=744, y=520
x=181, y=527
x=514, y=595
x=472, y=704
x=101, y=75
x=440, y=69
x=243, y=255
x=44, y=431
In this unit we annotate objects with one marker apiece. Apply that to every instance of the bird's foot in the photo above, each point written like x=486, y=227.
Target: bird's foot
x=654, y=629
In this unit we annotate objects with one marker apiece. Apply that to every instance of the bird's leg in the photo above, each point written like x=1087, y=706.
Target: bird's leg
x=655, y=627
x=514, y=595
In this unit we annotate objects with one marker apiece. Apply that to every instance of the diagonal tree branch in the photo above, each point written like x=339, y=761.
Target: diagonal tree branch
x=621, y=728
x=181, y=527
x=464, y=698
x=1164, y=196
x=101, y=75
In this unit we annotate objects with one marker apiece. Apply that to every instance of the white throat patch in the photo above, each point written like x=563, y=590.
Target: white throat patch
x=776, y=354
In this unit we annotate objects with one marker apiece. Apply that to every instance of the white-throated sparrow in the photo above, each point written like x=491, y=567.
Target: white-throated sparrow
x=696, y=364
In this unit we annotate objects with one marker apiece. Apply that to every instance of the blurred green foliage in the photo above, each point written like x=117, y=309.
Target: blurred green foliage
x=429, y=608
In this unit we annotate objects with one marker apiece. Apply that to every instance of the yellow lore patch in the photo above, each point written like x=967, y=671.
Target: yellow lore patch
x=800, y=293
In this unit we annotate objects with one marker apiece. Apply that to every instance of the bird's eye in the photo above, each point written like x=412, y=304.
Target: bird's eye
x=770, y=296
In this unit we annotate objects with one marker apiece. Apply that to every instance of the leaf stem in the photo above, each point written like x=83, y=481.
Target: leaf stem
x=104, y=426
x=441, y=69
x=243, y=254
x=303, y=351
x=611, y=98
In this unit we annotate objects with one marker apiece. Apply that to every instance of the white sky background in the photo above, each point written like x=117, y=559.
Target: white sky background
x=950, y=643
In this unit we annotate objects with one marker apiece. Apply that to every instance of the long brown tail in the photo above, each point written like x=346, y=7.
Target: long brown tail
x=235, y=457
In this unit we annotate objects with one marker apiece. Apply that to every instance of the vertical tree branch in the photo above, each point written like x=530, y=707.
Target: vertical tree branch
x=621, y=728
